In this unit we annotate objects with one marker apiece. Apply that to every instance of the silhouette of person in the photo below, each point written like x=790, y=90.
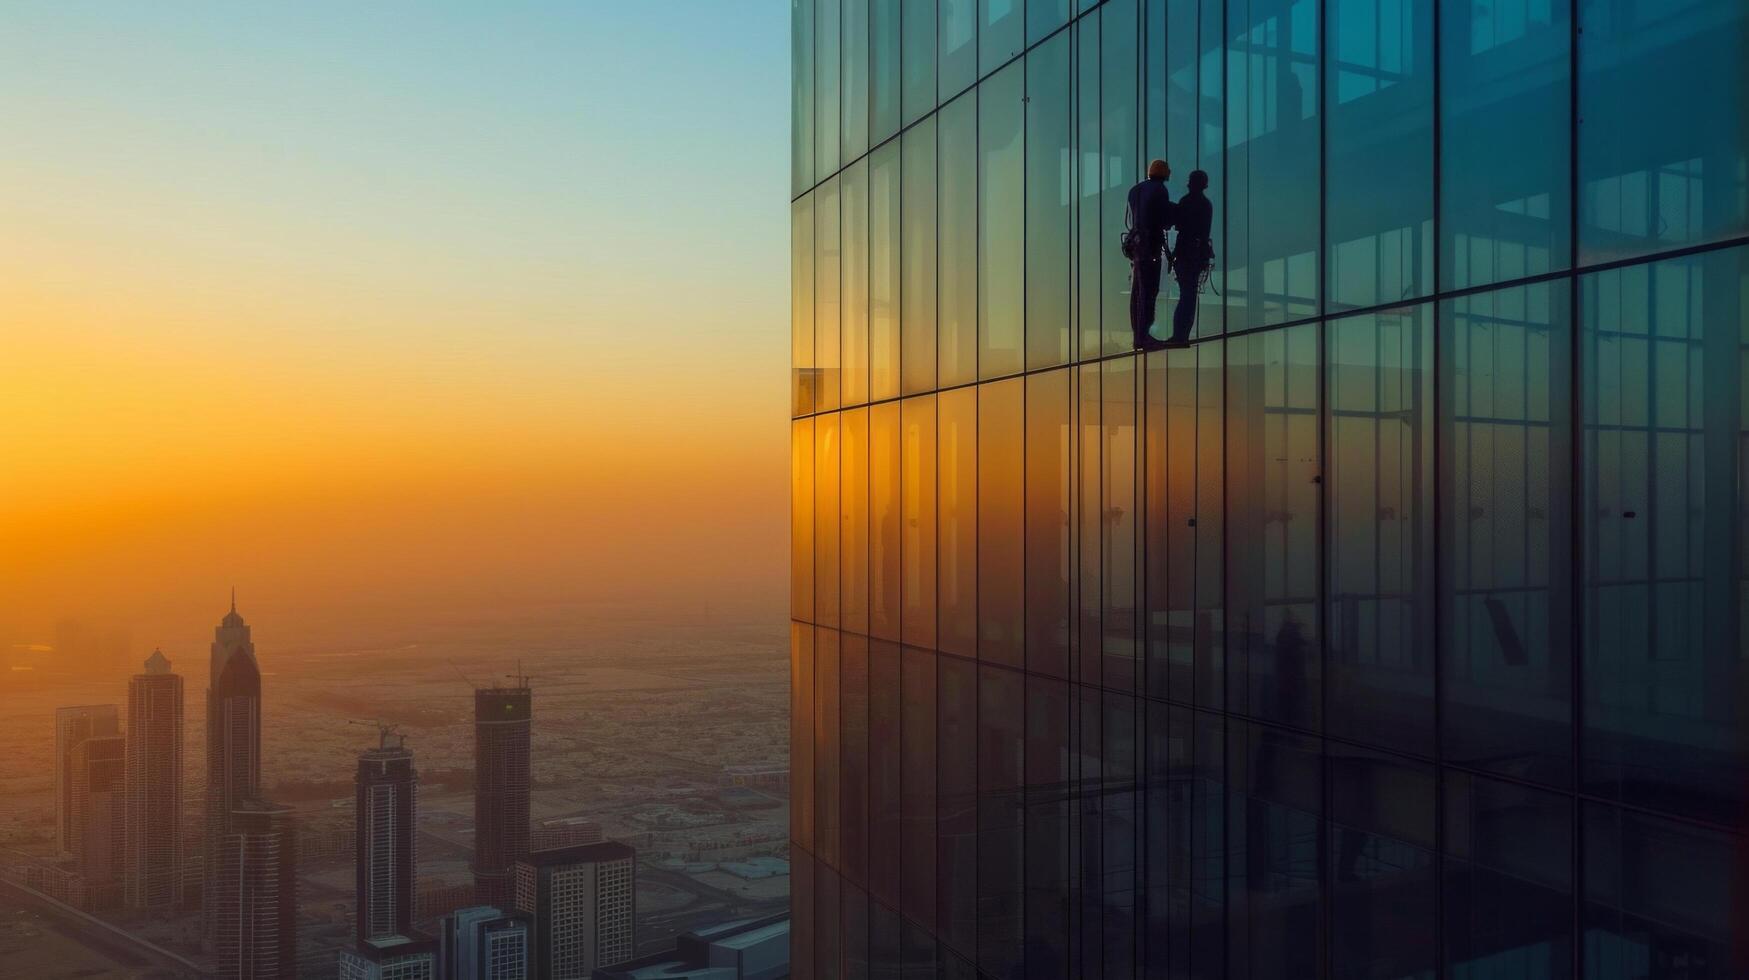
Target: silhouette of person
x=1195, y=216
x=1150, y=214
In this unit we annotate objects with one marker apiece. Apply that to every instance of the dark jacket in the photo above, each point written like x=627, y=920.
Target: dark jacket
x=1151, y=213
x=1195, y=215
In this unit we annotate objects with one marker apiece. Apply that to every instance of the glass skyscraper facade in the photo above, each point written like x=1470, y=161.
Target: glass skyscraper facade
x=1395, y=628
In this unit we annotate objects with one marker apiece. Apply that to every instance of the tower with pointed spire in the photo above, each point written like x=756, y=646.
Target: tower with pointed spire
x=233, y=743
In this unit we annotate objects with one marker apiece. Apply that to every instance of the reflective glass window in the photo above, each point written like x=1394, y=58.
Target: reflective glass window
x=1001, y=525
x=854, y=300
x=827, y=45
x=957, y=31
x=1171, y=433
x=1091, y=247
x=884, y=772
x=801, y=120
x=1272, y=191
x=1273, y=499
x=1001, y=857
x=855, y=91
x=956, y=805
x=1504, y=68
x=1001, y=32
x=1119, y=167
x=1275, y=780
x=917, y=60
x=1384, y=894
x=1508, y=880
x=1209, y=522
x=885, y=490
x=957, y=356
x=1043, y=17
x=853, y=521
x=1121, y=522
x=1664, y=142
x=1506, y=547
x=884, y=217
x=1089, y=532
x=804, y=377
x=853, y=721
x=1379, y=150
x=917, y=259
x=1662, y=898
x=917, y=519
x=1379, y=677
x=957, y=557
x=1049, y=469
x=884, y=68
x=827, y=748
x=801, y=520
x=1662, y=363
x=801, y=702
x=917, y=787
x=1047, y=821
x=1001, y=232
x=827, y=522
x=827, y=306
x=1049, y=202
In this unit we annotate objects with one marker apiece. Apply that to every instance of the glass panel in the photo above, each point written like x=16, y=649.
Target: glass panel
x=1506, y=547
x=853, y=523
x=1504, y=68
x=804, y=377
x=1208, y=518
x=1120, y=168
x=1049, y=201
x=958, y=27
x=956, y=807
x=917, y=467
x=1379, y=211
x=1272, y=162
x=917, y=26
x=801, y=520
x=1384, y=889
x=801, y=118
x=1049, y=467
x=884, y=779
x=828, y=925
x=1089, y=533
x=917, y=790
x=855, y=76
x=1276, y=782
x=884, y=66
x=958, y=228
x=1119, y=845
x=854, y=903
x=917, y=260
x=1662, y=898
x=826, y=519
x=1660, y=165
x=827, y=764
x=853, y=708
x=1043, y=17
x=1001, y=231
x=801, y=741
x=1001, y=854
x=1664, y=644
x=1208, y=24
x=885, y=490
x=802, y=909
x=1171, y=551
x=883, y=272
x=1273, y=498
x=1380, y=661
x=1120, y=524
x=1047, y=828
x=1001, y=531
x=1508, y=880
x=826, y=87
x=958, y=555
x=854, y=215
x=826, y=295
x=1001, y=33
x=1090, y=244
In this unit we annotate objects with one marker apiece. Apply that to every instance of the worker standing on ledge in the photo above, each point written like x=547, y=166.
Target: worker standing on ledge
x=1193, y=256
x=1144, y=244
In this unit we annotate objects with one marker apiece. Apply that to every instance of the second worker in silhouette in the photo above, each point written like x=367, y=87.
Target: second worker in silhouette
x=1194, y=215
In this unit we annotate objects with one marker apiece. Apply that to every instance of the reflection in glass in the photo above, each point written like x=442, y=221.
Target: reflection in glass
x=1504, y=212
x=853, y=790
x=1049, y=202
x=1662, y=898
x=957, y=29
x=1275, y=781
x=1662, y=375
x=883, y=272
x=917, y=468
x=917, y=60
x=1001, y=485
x=1508, y=880
x=1001, y=233
x=1380, y=662
x=958, y=554
x=1001, y=32
x=1379, y=151
x=1049, y=467
x=885, y=523
x=883, y=69
x=801, y=520
x=826, y=519
x=917, y=259
x=1120, y=523
x=1001, y=747
x=853, y=210
x=917, y=786
x=853, y=521
x=801, y=652
x=826, y=87
x=1384, y=893
x=1118, y=164
x=827, y=764
x=855, y=78
x=1664, y=145
x=957, y=171
x=956, y=805
x=884, y=770
x=826, y=295
x=801, y=119
x=1506, y=552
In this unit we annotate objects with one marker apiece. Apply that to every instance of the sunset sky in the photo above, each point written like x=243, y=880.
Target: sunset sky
x=370, y=309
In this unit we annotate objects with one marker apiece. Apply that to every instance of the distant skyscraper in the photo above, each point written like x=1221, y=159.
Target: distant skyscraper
x=485, y=943
x=583, y=902
x=99, y=777
x=393, y=958
x=233, y=741
x=153, y=835
x=387, y=786
x=501, y=785
x=252, y=905
x=72, y=726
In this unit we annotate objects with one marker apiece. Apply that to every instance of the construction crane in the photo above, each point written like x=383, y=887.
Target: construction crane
x=385, y=731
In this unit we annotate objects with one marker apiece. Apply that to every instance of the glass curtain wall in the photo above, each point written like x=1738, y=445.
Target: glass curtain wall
x=1394, y=629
